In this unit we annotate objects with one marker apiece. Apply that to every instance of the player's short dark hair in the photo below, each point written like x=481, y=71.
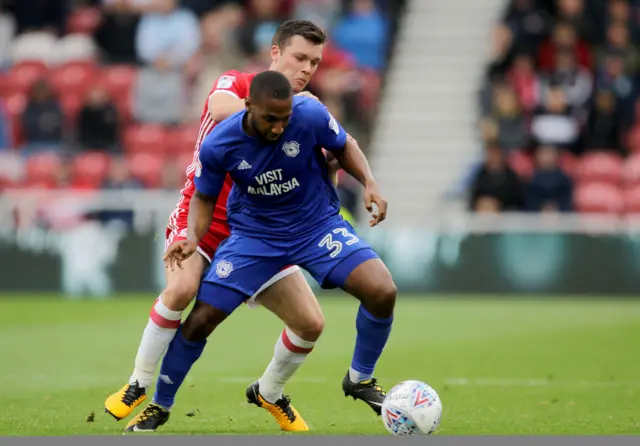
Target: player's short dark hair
x=270, y=85
x=304, y=28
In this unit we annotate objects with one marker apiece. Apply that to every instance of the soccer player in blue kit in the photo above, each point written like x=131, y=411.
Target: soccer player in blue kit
x=282, y=210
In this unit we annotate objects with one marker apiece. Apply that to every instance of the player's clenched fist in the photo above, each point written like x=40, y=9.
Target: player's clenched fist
x=178, y=252
x=372, y=196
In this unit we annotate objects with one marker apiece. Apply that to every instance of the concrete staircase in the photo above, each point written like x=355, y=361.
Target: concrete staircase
x=425, y=134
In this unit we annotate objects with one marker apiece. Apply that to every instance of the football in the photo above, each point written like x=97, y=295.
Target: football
x=411, y=408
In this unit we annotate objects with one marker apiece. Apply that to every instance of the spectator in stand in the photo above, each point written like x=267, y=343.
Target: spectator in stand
x=634, y=20
x=550, y=189
x=323, y=13
x=615, y=11
x=260, y=60
x=618, y=41
x=167, y=31
x=218, y=52
x=576, y=82
x=525, y=81
x=263, y=18
x=203, y=7
x=564, y=36
x=495, y=186
x=512, y=127
x=98, y=122
x=554, y=123
x=604, y=127
x=40, y=15
x=364, y=33
x=116, y=34
x=154, y=88
x=119, y=178
x=528, y=23
x=42, y=120
x=576, y=13
x=613, y=76
x=7, y=31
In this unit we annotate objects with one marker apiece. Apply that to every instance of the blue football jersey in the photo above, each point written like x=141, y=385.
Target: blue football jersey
x=281, y=190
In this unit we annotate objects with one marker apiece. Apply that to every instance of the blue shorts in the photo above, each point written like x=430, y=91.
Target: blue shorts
x=242, y=264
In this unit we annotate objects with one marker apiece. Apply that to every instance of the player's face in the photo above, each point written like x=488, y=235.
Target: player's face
x=270, y=119
x=298, y=61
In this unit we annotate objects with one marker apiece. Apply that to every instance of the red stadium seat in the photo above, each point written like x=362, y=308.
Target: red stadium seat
x=183, y=139
x=521, y=163
x=43, y=168
x=90, y=168
x=24, y=74
x=84, y=20
x=598, y=197
x=74, y=77
x=5, y=85
x=631, y=170
x=599, y=166
x=632, y=200
x=633, y=139
x=148, y=138
x=146, y=168
x=118, y=80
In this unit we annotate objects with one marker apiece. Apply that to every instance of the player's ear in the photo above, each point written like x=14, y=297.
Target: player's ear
x=275, y=53
x=247, y=103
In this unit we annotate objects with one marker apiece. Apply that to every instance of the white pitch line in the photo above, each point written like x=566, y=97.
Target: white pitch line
x=247, y=379
x=515, y=382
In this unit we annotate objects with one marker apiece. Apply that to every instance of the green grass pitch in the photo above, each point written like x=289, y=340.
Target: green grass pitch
x=520, y=367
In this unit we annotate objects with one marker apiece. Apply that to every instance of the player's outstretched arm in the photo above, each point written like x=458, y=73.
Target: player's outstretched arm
x=353, y=161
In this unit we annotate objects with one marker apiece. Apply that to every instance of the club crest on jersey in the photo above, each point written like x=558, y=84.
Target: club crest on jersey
x=223, y=269
x=226, y=81
x=198, y=167
x=291, y=148
x=333, y=124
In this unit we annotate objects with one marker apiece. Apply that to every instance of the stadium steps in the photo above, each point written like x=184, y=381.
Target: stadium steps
x=425, y=136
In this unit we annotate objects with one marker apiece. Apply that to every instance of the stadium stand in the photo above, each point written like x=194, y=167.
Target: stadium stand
x=80, y=80
x=560, y=100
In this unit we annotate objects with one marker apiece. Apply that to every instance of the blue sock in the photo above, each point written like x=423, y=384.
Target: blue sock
x=372, y=336
x=177, y=362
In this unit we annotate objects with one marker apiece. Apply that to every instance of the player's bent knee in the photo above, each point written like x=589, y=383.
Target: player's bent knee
x=178, y=296
x=382, y=299
x=311, y=329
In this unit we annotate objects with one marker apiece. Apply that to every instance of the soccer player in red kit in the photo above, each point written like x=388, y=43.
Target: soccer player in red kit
x=296, y=53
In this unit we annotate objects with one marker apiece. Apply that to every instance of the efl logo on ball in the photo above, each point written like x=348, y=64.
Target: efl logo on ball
x=223, y=269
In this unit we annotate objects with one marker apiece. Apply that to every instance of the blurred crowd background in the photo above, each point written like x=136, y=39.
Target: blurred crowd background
x=559, y=112
x=108, y=93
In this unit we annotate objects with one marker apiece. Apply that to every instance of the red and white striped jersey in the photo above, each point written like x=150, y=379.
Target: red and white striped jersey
x=234, y=83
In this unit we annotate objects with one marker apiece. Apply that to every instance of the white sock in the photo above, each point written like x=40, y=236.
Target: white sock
x=160, y=330
x=358, y=377
x=288, y=355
